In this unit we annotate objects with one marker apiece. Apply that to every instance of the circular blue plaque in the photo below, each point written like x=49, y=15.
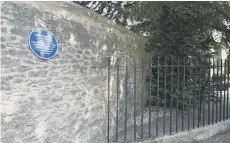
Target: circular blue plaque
x=43, y=43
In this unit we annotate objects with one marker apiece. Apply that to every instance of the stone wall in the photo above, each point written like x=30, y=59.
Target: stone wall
x=62, y=99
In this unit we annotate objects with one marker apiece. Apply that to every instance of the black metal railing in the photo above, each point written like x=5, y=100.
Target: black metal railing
x=168, y=96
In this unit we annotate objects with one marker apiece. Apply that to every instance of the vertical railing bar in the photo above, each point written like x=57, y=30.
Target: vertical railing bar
x=189, y=82
x=183, y=95
x=178, y=76
x=142, y=95
x=165, y=95
x=209, y=72
x=194, y=83
x=217, y=89
x=118, y=90
x=150, y=89
x=158, y=71
x=213, y=90
x=199, y=98
x=228, y=85
x=228, y=90
x=224, y=89
x=126, y=94
x=135, y=94
x=171, y=97
x=221, y=70
x=108, y=98
x=204, y=92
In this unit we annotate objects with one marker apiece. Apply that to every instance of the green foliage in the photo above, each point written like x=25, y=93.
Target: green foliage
x=182, y=28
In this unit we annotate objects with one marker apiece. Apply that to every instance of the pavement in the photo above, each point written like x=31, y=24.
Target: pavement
x=219, y=138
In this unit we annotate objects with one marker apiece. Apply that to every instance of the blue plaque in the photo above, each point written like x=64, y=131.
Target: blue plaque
x=43, y=43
